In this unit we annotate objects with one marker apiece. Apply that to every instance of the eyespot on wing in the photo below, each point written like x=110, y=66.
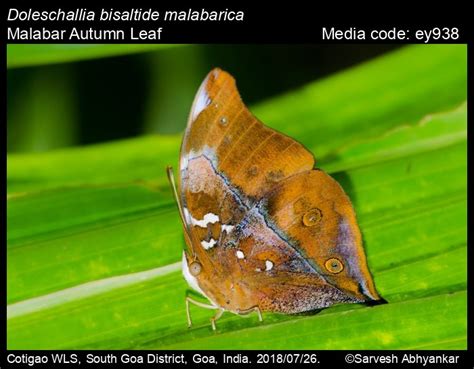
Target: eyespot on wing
x=312, y=210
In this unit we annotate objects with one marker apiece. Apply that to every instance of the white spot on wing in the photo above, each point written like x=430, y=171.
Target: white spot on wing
x=227, y=228
x=208, y=218
x=268, y=265
x=240, y=254
x=208, y=245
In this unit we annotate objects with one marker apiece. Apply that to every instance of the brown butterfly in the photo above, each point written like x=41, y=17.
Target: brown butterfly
x=265, y=230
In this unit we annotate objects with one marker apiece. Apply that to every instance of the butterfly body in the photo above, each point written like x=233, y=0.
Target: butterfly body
x=264, y=229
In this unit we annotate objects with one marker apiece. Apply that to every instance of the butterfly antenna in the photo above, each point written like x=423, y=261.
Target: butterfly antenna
x=185, y=221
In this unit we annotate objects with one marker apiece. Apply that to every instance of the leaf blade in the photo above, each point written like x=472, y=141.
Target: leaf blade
x=27, y=55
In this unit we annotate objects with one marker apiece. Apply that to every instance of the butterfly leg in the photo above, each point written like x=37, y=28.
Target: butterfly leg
x=200, y=304
x=251, y=310
x=215, y=318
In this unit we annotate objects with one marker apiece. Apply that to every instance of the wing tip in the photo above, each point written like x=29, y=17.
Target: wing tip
x=215, y=79
x=217, y=73
x=210, y=86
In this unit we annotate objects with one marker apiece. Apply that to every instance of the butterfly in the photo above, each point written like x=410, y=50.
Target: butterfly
x=265, y=230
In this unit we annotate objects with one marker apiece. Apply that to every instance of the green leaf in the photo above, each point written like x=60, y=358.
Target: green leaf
x=24, y=55
x=398, y=88
x=323, y=115
x=436, y=130
x=34, y=112
x=93, y=250
x=134, y=227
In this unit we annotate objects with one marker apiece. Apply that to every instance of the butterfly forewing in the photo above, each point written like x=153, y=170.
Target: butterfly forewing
x=249, y=155
x=229, y=159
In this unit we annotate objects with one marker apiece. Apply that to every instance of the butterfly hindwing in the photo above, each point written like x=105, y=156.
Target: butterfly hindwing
x=312, y=210
x=275, y=272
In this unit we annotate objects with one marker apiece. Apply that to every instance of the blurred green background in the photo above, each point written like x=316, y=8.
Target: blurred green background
x=94, y=239
x=97, y=100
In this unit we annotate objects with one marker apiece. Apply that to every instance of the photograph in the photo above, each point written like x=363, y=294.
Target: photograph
x=236, y=196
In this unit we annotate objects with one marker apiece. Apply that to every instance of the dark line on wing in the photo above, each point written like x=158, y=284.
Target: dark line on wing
x=289, y=241
x=237, y=194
